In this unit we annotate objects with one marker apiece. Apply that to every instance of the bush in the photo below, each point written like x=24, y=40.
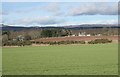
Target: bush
x=16, y=43
x=82, y=42
x=33, y=42
x=27, y=43
x=61, y=42
x=20, y=43
x=100, y=41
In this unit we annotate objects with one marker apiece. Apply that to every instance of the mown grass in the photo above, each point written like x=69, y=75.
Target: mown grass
x=99, y=59
x=0, y=61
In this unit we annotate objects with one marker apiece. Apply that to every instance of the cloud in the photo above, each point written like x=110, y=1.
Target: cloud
x=1, y=16
x=44, y=20
x=60, y=0
x=84, y=8
x=112, y=21
x=48, y=21
x=52, y=7
x=3, y=13
x=62, y=13
x=95, y=9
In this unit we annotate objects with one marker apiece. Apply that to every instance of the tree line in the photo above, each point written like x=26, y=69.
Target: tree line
x=24, y=37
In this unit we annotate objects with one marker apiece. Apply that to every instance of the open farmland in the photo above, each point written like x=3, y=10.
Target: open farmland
x=98, y=59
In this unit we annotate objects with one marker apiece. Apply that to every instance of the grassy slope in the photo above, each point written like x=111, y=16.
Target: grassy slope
x=0, y=61
x=69, y=59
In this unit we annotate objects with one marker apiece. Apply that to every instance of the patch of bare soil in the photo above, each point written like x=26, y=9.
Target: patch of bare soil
x=76, y=38
x=40, y=44
x=10, y=46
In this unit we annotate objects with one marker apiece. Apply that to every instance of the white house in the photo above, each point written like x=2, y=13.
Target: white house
x=98, y=35
x=81, y=34
x=88, y=35
x=20, y=38
x=73, y=35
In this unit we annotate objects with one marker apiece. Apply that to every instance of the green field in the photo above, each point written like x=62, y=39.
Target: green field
x=0, y=61
x=99, y=59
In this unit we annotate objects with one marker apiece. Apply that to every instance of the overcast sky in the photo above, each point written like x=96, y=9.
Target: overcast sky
x=59, y=13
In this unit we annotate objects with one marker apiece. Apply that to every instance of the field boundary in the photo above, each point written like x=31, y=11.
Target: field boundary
x=60, y=76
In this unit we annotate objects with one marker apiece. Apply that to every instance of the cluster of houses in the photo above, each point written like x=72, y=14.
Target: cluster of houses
x=22, y=38
x=19, y=38
x=84, y=34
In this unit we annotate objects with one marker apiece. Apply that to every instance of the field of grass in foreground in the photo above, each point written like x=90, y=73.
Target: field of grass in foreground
x=99, y=59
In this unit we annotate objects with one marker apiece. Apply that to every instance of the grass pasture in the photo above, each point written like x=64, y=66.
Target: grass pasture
x=99, y=59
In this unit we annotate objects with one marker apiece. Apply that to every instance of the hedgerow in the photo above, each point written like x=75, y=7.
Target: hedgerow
x=100, y=41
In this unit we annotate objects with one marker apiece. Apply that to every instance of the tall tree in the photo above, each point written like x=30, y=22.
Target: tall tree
x=6, y=33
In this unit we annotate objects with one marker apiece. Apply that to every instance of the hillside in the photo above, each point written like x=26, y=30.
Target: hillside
x=72, y=27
